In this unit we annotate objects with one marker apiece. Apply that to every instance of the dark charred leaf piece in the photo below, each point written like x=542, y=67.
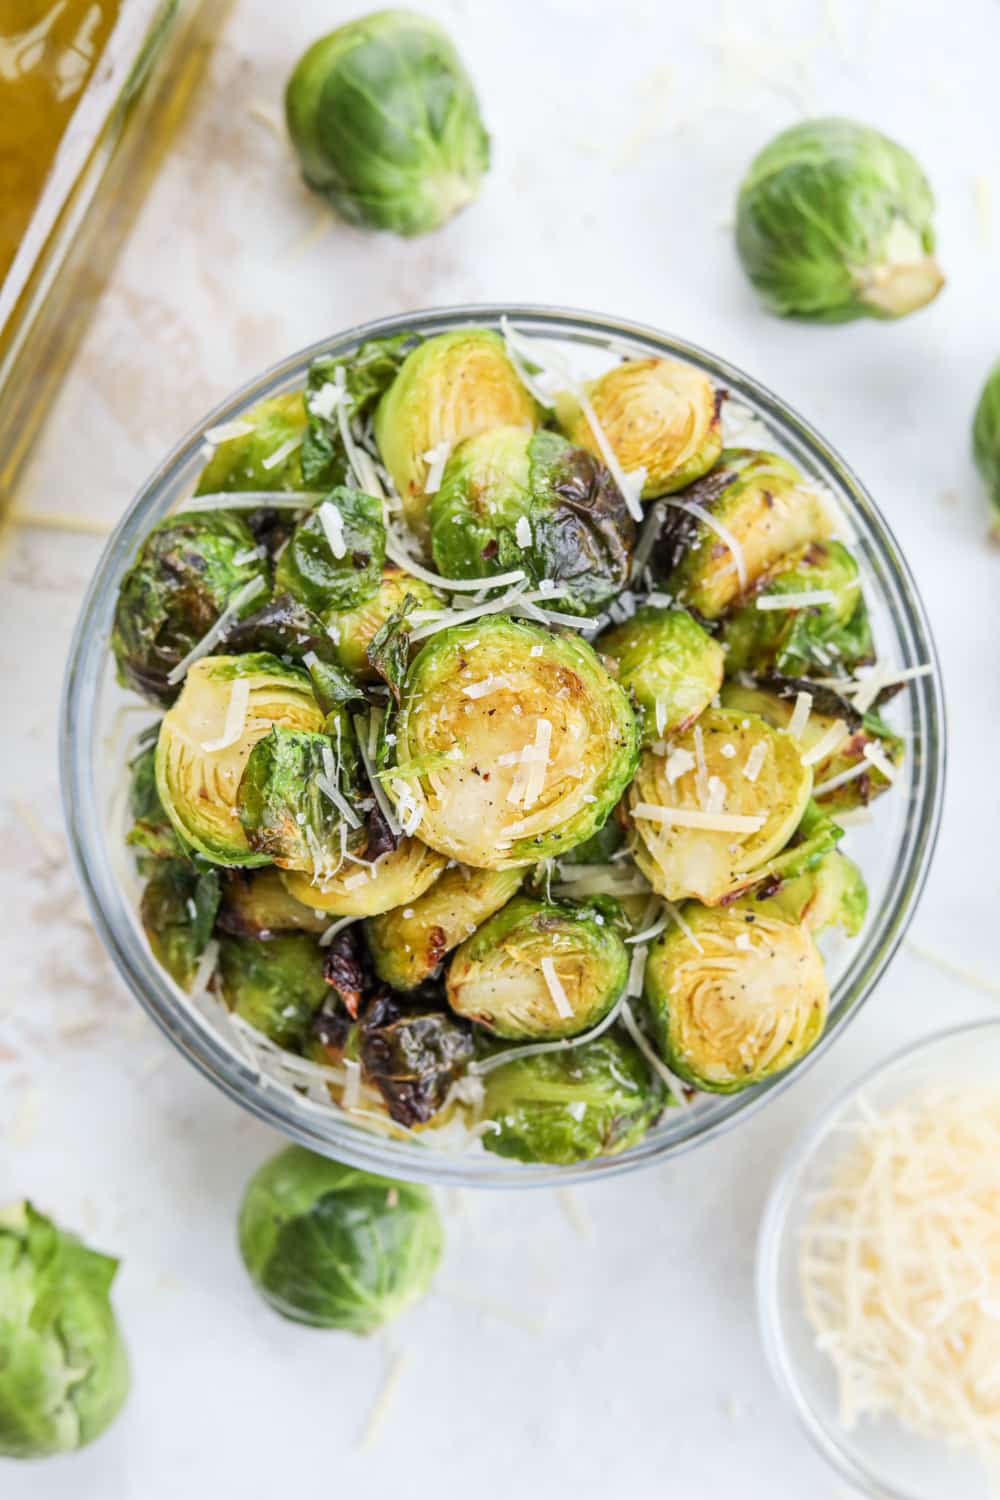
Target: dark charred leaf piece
x=412, y=1055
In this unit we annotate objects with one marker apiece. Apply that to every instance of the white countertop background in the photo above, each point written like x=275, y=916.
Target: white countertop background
x=590, y=1345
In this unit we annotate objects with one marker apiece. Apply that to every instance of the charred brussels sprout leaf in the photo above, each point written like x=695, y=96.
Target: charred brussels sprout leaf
x=297, y=793
x=276, y=986
x=63, y=1367
x=334, y=557
x=352, y=631
x=671, y=666
x=399, y=876
x=413, y=1054
x=284, y=627
x=178, y=908
x=352, y=385
x=540, y=969
x=152, y=832
x=255, y=904
x=266, y=455
x=834, y=221
x=187, y=571
x=986, y=442
x=562, y=1107
x=830, y=894
x=410, y=942
x=734, y=999
x=335, y=1247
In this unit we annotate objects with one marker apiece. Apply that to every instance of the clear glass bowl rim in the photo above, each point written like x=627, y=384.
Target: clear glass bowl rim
x=331, y=1133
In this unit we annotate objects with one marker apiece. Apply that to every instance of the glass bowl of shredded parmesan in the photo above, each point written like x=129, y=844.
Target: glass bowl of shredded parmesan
x=365, y=1112
x=879, y=1274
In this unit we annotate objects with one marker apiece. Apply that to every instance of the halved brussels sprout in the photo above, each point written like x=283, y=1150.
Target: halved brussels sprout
x=761, y=501
x=293, y=794
x=266, y=455
x=408, y=943
x=152, y=834
x=734, y=998
x=660, y=415
x=277, y=986
x=986, y=442
x=177, y=910
x=512, y=498
x=834, y=222
x=364, y=890
x=334, y=556
x=532, y=741
x=185, y=574
x=413, y=1052
x=227, y=705
x=831, y=894
x=709, y=815
x=353, y=630
x=449, y=388
x=671, y=666
x=593, y=1100
x=540, y=969
x=255, y=904
x=805, y=636
x=386, y=125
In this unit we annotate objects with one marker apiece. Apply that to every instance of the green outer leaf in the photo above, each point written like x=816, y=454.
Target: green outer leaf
x=308, y=570
x=284, y=811
x=986, y=441
x=275, y=984
x=368, y=372
x=152, y=832
x=665, y=657
x=178, y=909
x=240, y=463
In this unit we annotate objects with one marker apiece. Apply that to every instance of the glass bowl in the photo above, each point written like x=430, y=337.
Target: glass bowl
x=894, y=850
x=882, y=1459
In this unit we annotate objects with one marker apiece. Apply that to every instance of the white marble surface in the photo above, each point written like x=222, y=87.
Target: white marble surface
x=585, y=1347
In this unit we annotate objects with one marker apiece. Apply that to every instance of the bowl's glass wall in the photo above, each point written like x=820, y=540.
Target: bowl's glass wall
x=97, y=722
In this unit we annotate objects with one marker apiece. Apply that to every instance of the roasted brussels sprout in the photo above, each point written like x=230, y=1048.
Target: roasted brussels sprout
x=986, y=442
x=265, y=455
x=353, y=630
x=286, y=628
x=341, y=394
x=408, y=943
x=760, y=502
x=413, y=1052
x=449, y=388
x=512, y=498
x=255, y=904
x=363, y=889
x=335, y=1247
x=63, y=1367
x=297, y=795
x=386, y=124
x=832, y=893
x=186, y=573
x=276, y=986
x=671, y=666
x=533, y=743
x=177, y=910
x=709, y=816
x=833, y=222
x=561, y=1107
x=334, y=556
x=734, y=997
x=825, y=623
x=540, y=969
x=227, y=705
x=659, y=415
x=152, y=832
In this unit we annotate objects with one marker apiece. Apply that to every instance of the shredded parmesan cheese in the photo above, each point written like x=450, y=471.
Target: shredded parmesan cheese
x=522, y=532
x=692, y=817
x=399, y=555
x=332, y=523
x=826, y=744
x=722, y=532
x=236, y=717
x=803, y=600
x=800, y=715
x=656, y=1063
x=677, y=763
x=556, y=989
x=861, y=769
x=755, y=762
x=876, y=756
x=280, y=454
x=869, y=687
x=435, y=458
x=225, y=431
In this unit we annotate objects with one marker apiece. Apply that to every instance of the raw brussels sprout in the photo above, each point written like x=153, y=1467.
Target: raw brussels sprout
x=356, y=891
x=187, y=571
x=286, y=628
x=63, y=1367
x=324, y=579
x=255, y=904
x=986, y=442
x=487, y=803
x=177, y=910
x=734, y=998
x=449, y=388
x=660, y=415
x=831, y=894
x=198, y=786
x=540, y=969
x=266, y=455
x=762, y=502
x=277, y=986
x=386, y=125
x=671, y=666
x=152, y=832
x=335, y=1247
x=561, y=1107
x=353, y=630
x=810, y=636
x=512, y=498
x=408, y=943
x=833, y=222
x=297, y=795
x=413, y=1052
x=345, y=390
x=710, y=815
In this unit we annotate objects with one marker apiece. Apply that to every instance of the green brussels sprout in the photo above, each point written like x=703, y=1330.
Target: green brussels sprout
x=386, y=125
x=816, y=836
x=187, y=571
x=177, y=910
x=205, y=741
x=394, y=879
x=297, y=795
x=63, y=1367
x=710, y=815
x=277, y=986
x=255, y=904
x=413, y=1052
x=353, y=630
x=345, y=389
x=802, y=637
x=450, y=387
x=266, y=455
x=659, y=415
x=734, y=997
x=762, y=502
x=540, y=969
x=598, y=849
x=986, y=442
x=831, y=894
x=562, y=1107
x=335, y=1247
x=512, y=498
x=833, y=222
x=284, y=627
x=527, y=764
x=152, y=832
x=334, y=556
x=671, y=666
x=408, y=943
